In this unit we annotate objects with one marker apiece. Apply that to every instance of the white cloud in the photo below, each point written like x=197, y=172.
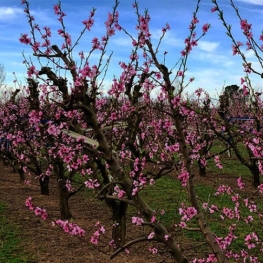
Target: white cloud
x=254, y=2
x=122, y=41
x=249, y=54
x=207, y=46
x=170, y=39
x=211, y=58
x=8, y=13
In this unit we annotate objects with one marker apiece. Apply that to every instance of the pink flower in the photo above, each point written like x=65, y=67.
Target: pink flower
x=32, y=71
x=176, y=101
x=24, y=39
x=111, y=31
x=151, y=235
x=249, y=240
x=36, y=46
x=180, y=73
x=41, y=212
x=205, y=27
x=260, y=188
x=92, y=184
x=137, y=220
x=52, y=130
x=56, y=9
x=240, y=183
x=29, y=203
x=183, y=177
x=183, y=53
x=88, y=23
x=195, y=20
x=213, y=9
x=153, y=250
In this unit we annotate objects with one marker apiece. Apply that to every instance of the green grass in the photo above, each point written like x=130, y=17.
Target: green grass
x=231, y=165
x=168, y=194
x=9, y=241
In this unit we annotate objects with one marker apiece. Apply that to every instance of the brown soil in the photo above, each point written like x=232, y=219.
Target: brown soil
x=44, y=243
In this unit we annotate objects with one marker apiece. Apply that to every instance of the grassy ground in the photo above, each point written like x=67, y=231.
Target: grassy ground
x=10, y=250
x=167, y=194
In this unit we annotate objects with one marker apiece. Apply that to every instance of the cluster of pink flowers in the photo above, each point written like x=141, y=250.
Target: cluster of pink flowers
x=153, y=250
x=70, y=227
x=187, y=212
x=92, y=184
x=247, y=28
x=183, y=177
x=240, y=183
x=227, y=241
x=90, y=21
x=25, y=39
x=95, y=237
x=120, y=193
x=223, y=189
x=218, y=163
x=37, y=210
x=249, y=240
x=137, y=220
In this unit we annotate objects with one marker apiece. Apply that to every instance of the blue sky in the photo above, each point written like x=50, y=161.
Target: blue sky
x=211, y=62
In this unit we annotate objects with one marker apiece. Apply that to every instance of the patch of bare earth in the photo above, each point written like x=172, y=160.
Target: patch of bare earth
x=45, y=243
x=49, y=244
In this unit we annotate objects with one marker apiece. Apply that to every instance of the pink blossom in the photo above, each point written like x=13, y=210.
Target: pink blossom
x=52, y=130
x=153, y=250
x=137, y=220
x=32, y=71
x=240, y=183
x=183, y=177
x=70, y=227
x=249, y=240
x=213, y=9
x=260, y=188
x=92, y=184
x=235, y=50
x=205, y=27
x=41, y=212
x=218, y=163
x=176, y=101
x=180, y=73
x=29, y=203
x=151, y=235
x=56, y=9
x=88, y=23
x=110, y=31
x=24, y=39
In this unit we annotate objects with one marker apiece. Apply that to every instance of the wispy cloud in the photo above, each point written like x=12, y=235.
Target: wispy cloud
x=207, y=46
x=254, y=2
x=122, y=41
x=9, y=13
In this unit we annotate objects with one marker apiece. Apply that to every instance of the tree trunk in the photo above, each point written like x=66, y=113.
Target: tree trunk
x=44, y=185
x=21, y=174
x=202, y=169
x=255, y=174
x=64, y=195
x=119, y=220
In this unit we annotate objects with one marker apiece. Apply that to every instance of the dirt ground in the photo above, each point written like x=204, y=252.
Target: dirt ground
x=46, y=244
